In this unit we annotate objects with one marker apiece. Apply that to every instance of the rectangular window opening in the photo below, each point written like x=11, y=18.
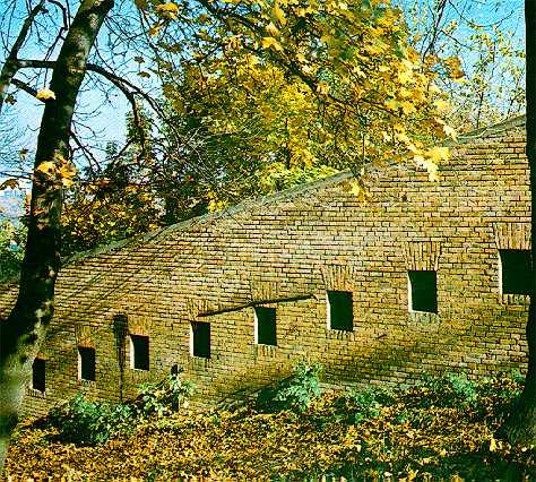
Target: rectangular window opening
x=38, y=375
x=139, y=352
x=516, y=269
x=86, y=363
x=423, y=291
x=265, y=326
x=200, y=339
x=340, y=310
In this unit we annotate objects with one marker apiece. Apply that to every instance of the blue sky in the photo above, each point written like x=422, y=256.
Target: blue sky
x=109, y=120
x=103, y=114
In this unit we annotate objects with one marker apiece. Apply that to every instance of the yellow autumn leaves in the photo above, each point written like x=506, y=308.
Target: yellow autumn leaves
x=328, y=82
x=59, y=172
x=168, y=10
x=271, y=43
x=45, y=94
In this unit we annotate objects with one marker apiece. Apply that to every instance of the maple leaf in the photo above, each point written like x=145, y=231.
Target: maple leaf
x=279, y=14
x=442, y=105
x=392, y=104
x=450, y=132
x=322, y=88
x=437, y=154
x=455, y=67
x=46, y=167
x=408, y=107
x=66, y=173
x=168, y=10
x=154, y=30
x=271, y=43
x=271, y=29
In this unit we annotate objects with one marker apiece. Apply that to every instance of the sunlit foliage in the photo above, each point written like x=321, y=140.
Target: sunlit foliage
x=305, y=83
x=262, y=96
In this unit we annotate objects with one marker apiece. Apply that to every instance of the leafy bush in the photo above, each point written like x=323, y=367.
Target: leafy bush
x=517, y=377
x=89, y=423
x=498, y=397
x=356, y=406
x=366, y=404
x=164, y=397
x=465, y=391
x=454, y=390
x=294, y=393
x=12, y=241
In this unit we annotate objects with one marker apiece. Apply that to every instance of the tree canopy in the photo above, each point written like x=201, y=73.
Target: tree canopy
x=328, y=82
x=483, y=43
x=256, y=97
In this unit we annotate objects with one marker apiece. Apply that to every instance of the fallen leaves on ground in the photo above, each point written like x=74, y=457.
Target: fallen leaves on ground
x=407, y=438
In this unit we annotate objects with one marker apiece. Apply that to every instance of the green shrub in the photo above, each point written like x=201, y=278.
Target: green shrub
x=164, y=397
x=294, y=393
x=517, y=377
x=498, y=397
x=454, y=390
x=356, y=406
x=89, y=423
x=465, y=391
x=366, y=404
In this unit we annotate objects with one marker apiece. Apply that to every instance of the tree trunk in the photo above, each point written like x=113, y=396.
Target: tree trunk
x=23, y=331
x=521, y=427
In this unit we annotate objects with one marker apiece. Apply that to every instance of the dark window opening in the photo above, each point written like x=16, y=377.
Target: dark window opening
x=423, y=291
x=86, y=363
x=38, y=374
x=266, y=325
x=341, y=310
x=516, y=269
x=201, y=339
x=139, y=345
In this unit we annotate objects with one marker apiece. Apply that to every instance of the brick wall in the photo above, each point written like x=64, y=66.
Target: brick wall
x=286, y=252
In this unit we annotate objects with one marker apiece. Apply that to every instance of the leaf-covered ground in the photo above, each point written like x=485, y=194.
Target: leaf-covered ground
x=420, y=431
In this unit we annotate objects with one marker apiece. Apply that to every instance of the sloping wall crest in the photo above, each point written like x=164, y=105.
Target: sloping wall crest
x=378, y=292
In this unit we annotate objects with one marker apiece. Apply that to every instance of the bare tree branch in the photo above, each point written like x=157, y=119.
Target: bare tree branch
x=11, y=66
x=62, y=30
x=87, y=152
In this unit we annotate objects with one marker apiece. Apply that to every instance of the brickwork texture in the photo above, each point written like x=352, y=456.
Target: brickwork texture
x=287, y=252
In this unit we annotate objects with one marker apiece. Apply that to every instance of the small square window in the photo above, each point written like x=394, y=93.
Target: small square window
x=265, y=326
x=38, y=374
x=340, y=310
x=423, y=291
x=516, y=269
x=86, y=363
x=139, y=352
x=200, y=339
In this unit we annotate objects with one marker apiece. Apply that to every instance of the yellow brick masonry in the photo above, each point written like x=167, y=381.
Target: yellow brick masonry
x=288, y=250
